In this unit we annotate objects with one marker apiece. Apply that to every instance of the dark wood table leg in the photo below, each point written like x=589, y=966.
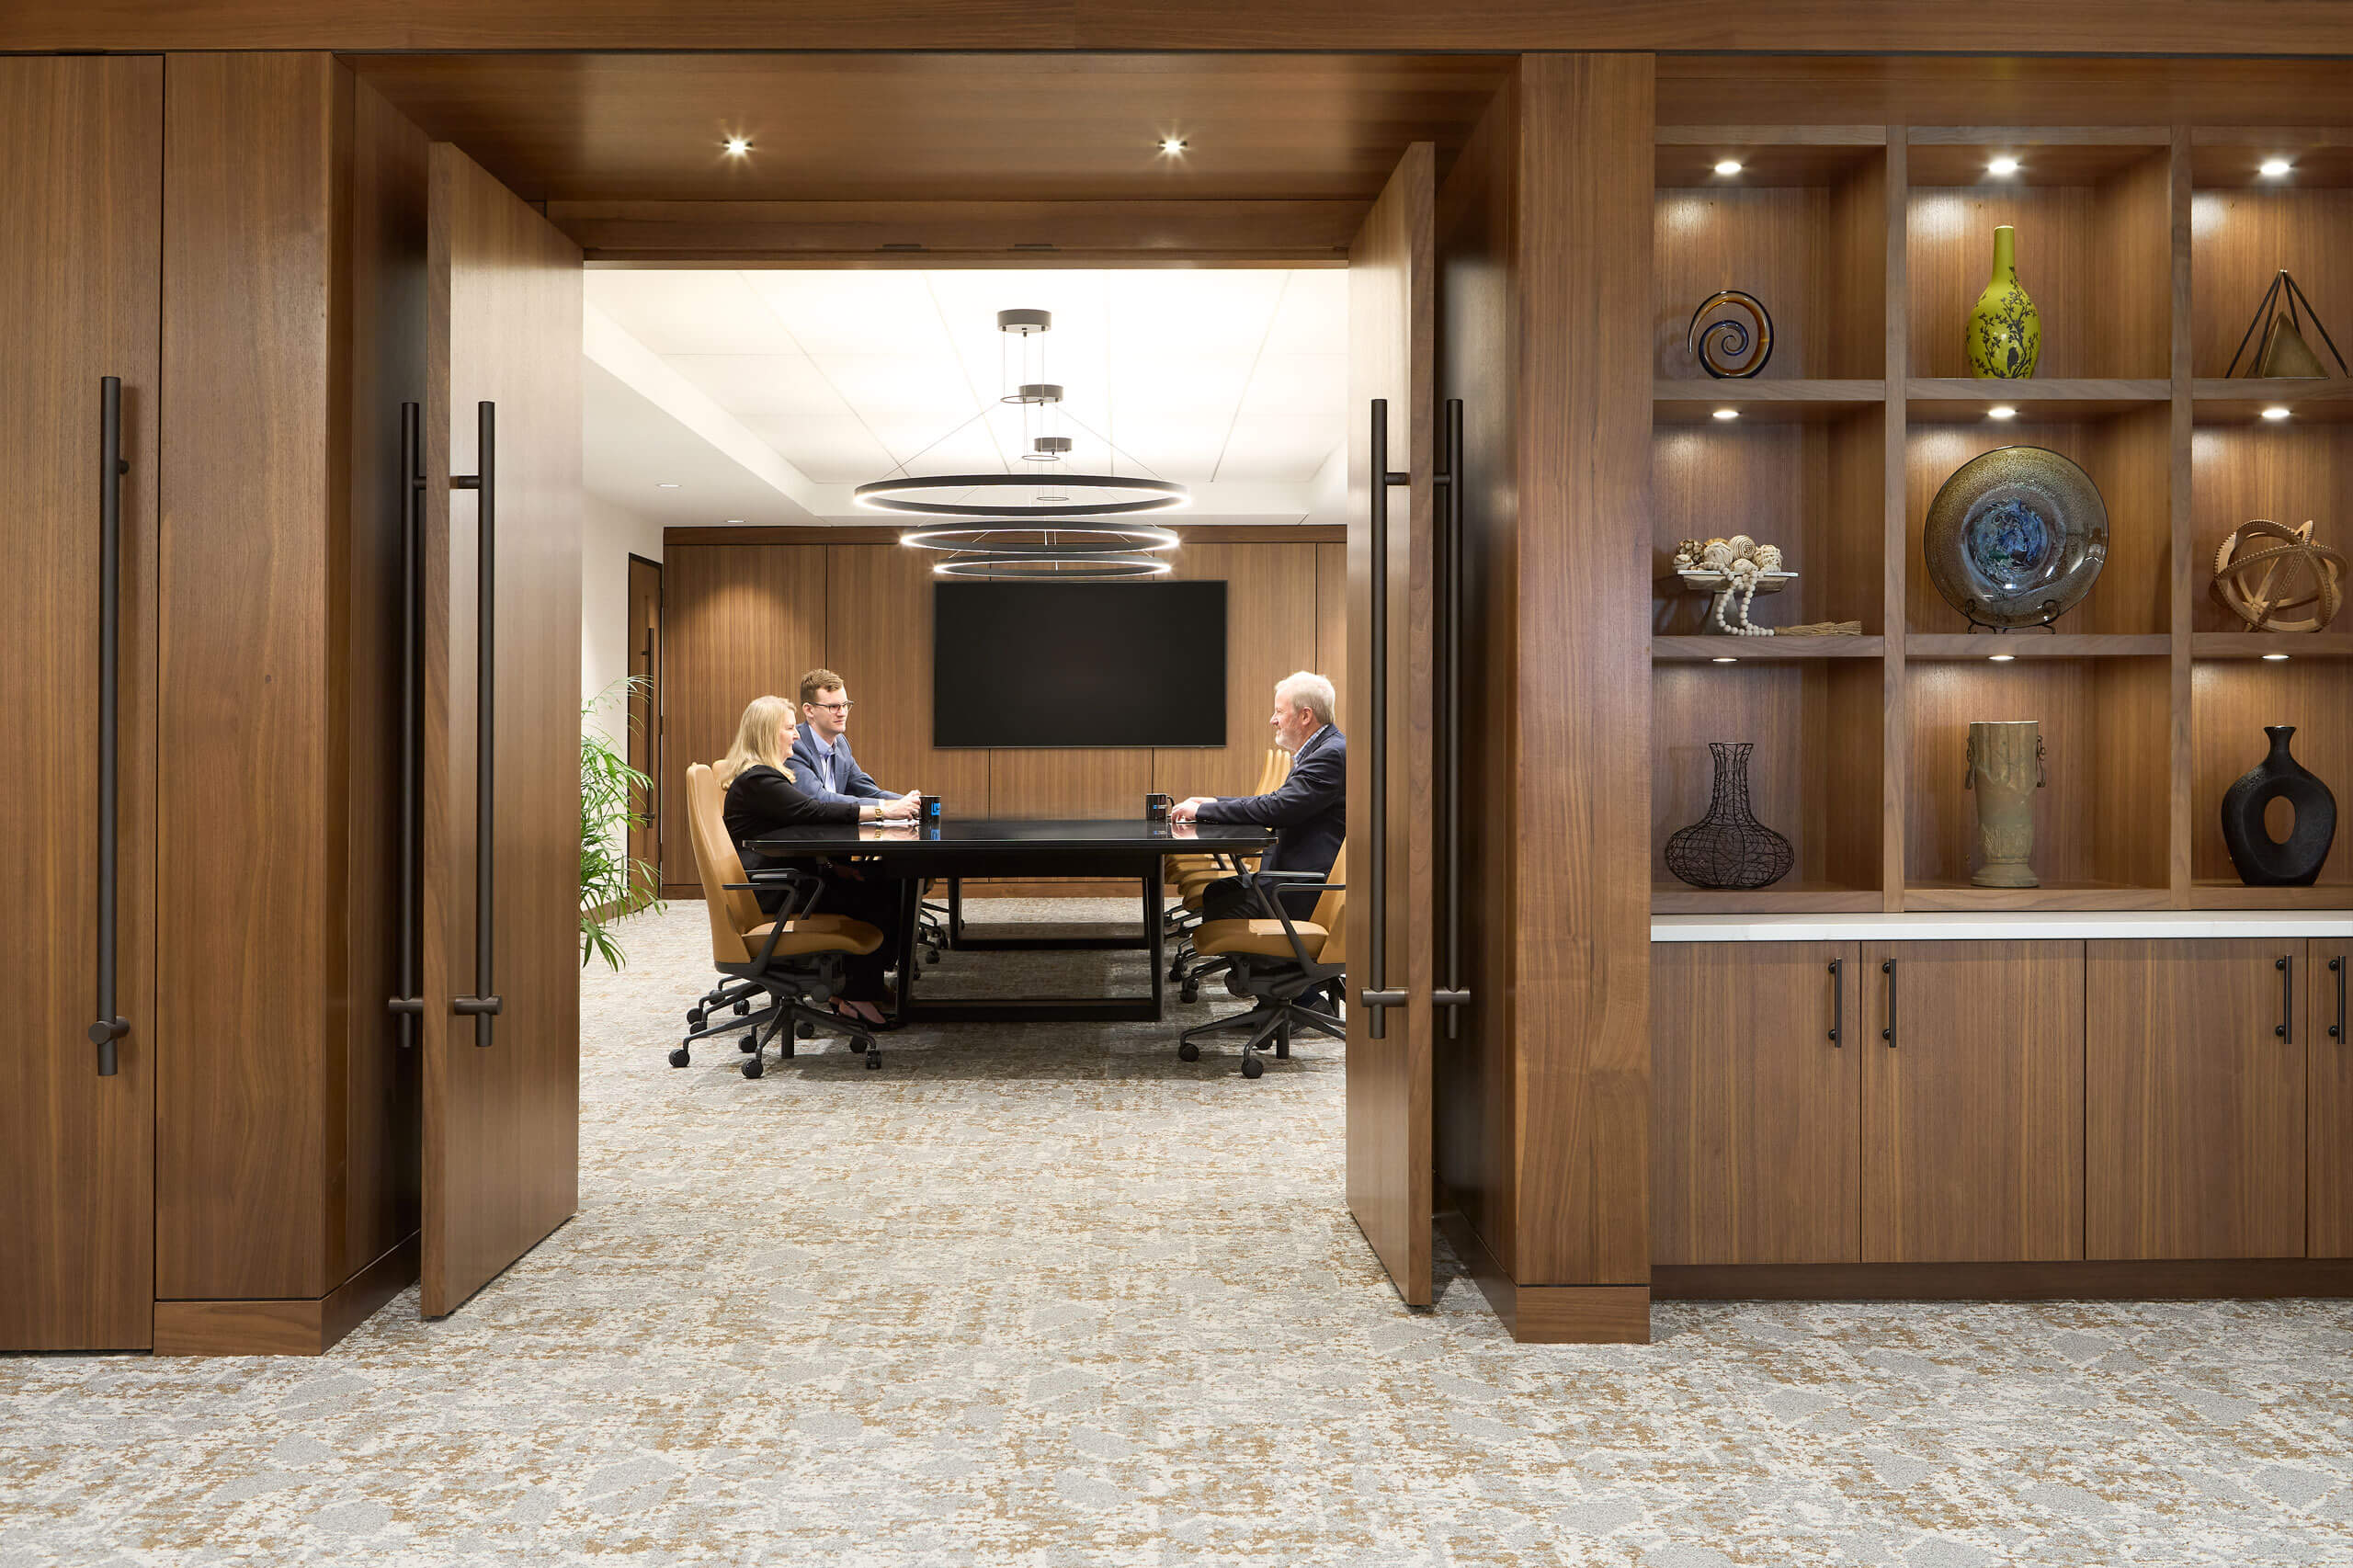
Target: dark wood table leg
x=1158, y=936
x=910, y=921
x=955, y=911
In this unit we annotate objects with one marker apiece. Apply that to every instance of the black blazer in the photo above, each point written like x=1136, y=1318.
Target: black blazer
x=1309, y=811
x=762, y=801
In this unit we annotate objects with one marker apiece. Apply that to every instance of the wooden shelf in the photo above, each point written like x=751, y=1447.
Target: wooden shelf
x=2320, y=157
x=2256, y=645
x=2241, y=401
x=2050, y=895
x=2047, y=154
x=1685, y=402
x=2035, y=646
x=2212, y=893
x=1941, y=398
x=1785, y=897
x=1776, y=156
x=1749, y=650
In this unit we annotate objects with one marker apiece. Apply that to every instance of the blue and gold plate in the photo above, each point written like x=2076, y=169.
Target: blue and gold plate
x=2016, y=537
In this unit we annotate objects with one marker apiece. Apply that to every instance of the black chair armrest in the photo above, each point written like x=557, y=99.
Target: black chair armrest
x=1260, y=882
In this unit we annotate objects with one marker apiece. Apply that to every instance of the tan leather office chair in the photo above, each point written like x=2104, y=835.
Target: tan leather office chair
x=1279, y=962
x=792, y=960
x=1189, y=874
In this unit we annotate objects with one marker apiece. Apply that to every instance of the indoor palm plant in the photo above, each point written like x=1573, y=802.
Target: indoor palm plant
x=611, y=884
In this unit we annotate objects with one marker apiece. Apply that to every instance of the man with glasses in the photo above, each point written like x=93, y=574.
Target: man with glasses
x=821, y=752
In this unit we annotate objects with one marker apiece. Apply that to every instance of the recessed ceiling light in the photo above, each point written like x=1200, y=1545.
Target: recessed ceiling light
x=1723, y=661
x=2003, y=166
x=2001, y=411
x=665, y=484
x=2274, y=658
x=1727, y=413
x=738, y=145
x=2001, y=658
x=1172, y=145
x=2274, y=412
x=2274, y=168
x=1728, y=166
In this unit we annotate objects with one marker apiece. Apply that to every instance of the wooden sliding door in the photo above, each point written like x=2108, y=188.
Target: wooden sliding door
x=502, y=667
x=1393, y=904
x=81, y=177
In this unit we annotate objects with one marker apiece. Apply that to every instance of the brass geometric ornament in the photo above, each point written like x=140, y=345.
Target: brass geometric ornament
x=2283, y=351
x=2264, y=570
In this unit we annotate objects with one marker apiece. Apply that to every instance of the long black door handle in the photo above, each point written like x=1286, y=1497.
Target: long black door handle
x=1887, y=968
x=1838, y=1003
x=2286, y=1027
x=1452, y=995
x=1376, y=994
x=406, y=1005
x=2337, y=1029
x=111, y=1025
x=484, y=1004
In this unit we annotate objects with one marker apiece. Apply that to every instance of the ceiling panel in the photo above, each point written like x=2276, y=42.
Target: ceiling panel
x=1298, y=383
x=675, y=312
x=854, y=312
x=760, y=383
x=1277, y=448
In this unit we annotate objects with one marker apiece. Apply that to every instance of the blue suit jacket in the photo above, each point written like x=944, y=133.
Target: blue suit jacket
x=851, y=782
x=1309, y=811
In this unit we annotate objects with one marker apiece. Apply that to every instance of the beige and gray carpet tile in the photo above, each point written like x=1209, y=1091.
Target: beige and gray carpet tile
x=1044, y=1296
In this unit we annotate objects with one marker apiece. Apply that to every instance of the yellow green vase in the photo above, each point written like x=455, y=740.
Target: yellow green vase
x=2004, y=329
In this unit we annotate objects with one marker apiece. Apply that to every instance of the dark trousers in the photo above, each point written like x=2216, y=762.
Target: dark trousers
x=1230, y=898
x=873, y=897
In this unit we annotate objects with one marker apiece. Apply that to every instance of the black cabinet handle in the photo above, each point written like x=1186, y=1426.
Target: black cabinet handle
x=1376, y=995
x=1452, y=995
x=111, y=1026
x=2337, y=1029
x=484, y=1004
x=2286, y=1027
x=408, y=1006
x=1888, y=1034
x=1838, y=1003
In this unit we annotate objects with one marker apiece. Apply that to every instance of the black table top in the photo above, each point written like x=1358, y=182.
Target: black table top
x=1132, y=834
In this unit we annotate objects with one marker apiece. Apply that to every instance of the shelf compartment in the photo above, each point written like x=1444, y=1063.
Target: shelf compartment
x=1814, y=250
x=2094, y=246
x=2287, y=472
x=1686, y=402
x=2319, y=156
x=1961, y=399
x=2239, y=239
x=2261, y=645
x=2035, y=646
x=2128, y=455
x=1781, y=156
x=1815, y=489
x=1814, y=775
x=2230, y=702
x=1747, y=650
x=2099, y=842
x=2326, y=400
x=1786, y=896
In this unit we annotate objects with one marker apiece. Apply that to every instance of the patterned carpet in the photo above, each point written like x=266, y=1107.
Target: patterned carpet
x=1047, y=1297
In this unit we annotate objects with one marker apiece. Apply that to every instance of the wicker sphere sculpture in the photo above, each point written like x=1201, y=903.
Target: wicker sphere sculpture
x=2262, y=563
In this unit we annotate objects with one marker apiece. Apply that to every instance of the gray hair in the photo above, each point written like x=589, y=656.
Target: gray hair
x=1307, y=689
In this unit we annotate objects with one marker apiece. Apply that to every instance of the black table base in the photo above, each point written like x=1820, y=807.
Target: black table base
x=912, y=1008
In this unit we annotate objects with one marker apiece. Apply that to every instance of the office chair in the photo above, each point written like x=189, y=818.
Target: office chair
x=787, y=964
x=1279, y=962
x=1191, y=873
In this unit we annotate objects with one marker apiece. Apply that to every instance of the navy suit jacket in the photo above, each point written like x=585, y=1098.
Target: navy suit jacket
x=851, y=782
x=1309, y=811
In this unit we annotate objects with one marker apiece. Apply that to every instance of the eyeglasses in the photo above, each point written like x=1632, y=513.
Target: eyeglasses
x=835, y=707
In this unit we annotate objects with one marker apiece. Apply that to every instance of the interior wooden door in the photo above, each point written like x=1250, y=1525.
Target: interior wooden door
x=81, y=257
x=502, y=665
x=1392, y=903
x=1757, y=1057
x=2195, y=1099
x=1972, y=1101
x=2328, y=1139
x=644, y=709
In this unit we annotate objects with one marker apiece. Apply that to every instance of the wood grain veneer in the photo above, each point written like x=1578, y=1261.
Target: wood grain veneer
x=2329, y=1098
x=301, y=1326
x=876, y=632
x=2195, y=1110
x=2231, y=701
x=79, y=146
x=1548, y=1314
x=2064, y=1281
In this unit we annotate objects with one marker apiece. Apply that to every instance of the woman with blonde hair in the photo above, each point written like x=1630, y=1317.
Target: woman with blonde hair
x=762, y=799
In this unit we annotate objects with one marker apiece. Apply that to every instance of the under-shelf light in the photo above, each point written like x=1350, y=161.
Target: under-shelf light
x=1727, y=413
x=1728, y=166
x=2274, y=168
x=2276, y=410
x=2274, y=658
x=2003, y=166
x=2001, y=411
x=2000, y=658
x=1732, y=661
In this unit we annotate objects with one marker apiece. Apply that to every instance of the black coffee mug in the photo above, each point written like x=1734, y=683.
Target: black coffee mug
x=1157, y=807
x=928, y=810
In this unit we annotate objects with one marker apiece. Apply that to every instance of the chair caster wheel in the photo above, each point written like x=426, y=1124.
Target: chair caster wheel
x=1175, y=972
x=694, y=1017
x=748, y=1044
x=1188, y=993
x=680, y=1058
x=860, y=1046
x=1189, y=1052
x=805, y=1029
x=931, y=955
x=873, y=1060
x=742, y=1006
x=754, y=1067
x=1252, y=1067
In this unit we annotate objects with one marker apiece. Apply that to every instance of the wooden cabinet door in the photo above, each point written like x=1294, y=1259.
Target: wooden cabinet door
x=2195, y=1101
x=502, y=865
x=81, y=258
x=2328, y=1142
x=1972, y=1101
x=1755, y=1103
x=1393, y=913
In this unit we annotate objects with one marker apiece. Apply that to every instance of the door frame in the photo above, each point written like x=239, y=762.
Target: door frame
x=643, y=744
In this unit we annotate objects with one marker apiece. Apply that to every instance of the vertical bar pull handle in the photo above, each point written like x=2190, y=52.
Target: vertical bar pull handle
x=2286, y=1027
x=484, y=1004
x=2337, y=1029
x=1888, y=1034
x=111, y=1026
x=408, y=1006
x=1838, y=1003
x=1376, y=995
x=1451, y=995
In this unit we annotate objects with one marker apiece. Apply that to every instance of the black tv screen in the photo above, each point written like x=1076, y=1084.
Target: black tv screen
x=1019, y=665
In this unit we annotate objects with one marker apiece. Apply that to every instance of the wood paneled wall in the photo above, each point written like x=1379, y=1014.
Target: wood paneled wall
x=744, y=619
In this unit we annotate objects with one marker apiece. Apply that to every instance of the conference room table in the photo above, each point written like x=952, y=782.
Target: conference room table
x=1043, y=850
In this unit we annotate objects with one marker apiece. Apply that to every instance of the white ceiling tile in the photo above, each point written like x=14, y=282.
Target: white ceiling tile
x=926, y=446
x=1298, y=384
x=902, y=385
x=854, y=312
x=1190, y=385
x=830, y=451
x=1280, y=447
x=760, y=383
x=1312, y=317
x=689, y=313
x=1206, y=311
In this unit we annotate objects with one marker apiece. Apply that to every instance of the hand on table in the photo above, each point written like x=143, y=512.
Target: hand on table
x=898, y=808
x=1190, y=808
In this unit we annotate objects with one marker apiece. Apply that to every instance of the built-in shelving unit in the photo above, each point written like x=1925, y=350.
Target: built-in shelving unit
x=2146, y=249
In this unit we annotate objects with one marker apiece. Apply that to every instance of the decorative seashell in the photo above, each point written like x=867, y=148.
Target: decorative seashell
x=1718, y=554
x=1769, y=557
x=1741, y=544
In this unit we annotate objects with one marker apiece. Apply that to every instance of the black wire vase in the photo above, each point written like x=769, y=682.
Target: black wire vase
x=1729, y=847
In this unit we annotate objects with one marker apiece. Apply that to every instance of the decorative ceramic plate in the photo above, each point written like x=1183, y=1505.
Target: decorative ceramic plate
x=2016, y=536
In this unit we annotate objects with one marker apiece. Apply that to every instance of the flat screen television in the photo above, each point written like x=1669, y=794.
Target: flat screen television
x=1039, y=665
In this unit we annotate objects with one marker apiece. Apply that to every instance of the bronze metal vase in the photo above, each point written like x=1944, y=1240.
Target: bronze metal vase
x=2005, y=770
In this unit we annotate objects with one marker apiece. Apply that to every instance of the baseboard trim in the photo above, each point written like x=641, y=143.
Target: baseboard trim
x=1550, y=1314
x=2105, y=1279
x=295, y=1326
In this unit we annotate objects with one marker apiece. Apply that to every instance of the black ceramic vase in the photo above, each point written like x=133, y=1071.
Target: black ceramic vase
x=2262, y=860
x=1729, y=847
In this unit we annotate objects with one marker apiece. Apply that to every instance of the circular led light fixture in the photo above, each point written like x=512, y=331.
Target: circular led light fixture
x=1047, y=449
x=1022, y=323
x=1034, y=391
x=1049, y=566
x=1022, y=498
x=1009, y=538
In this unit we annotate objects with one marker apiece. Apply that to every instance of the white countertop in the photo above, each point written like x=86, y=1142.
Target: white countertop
x=2004, y=925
